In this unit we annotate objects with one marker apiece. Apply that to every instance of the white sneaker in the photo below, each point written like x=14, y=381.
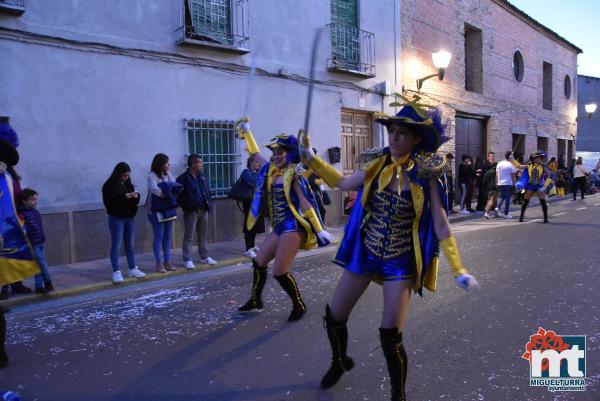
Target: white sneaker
x=464, y=211
x=188, y=264
x=487, y=215
x=117, y=277
x=250, y=253
x=137, y=273
x=507, y=216
x=208, y=261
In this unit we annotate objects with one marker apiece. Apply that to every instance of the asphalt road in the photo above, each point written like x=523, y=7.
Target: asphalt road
x=181, y=339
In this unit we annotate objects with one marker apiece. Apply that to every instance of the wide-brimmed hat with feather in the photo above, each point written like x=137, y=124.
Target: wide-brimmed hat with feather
x=425, y=123
x=287, y=142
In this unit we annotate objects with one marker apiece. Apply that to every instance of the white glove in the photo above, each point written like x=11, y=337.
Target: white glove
x=467, y=282
x=326, y=237
x=304, y=147
x=245, y=126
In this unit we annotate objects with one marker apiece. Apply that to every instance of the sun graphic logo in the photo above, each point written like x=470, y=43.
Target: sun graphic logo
x=556, y=362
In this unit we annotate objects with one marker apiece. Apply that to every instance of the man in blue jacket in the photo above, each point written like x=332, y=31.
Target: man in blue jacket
x=195, y=201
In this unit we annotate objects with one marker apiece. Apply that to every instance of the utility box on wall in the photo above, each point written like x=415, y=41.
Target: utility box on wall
x=335, y=154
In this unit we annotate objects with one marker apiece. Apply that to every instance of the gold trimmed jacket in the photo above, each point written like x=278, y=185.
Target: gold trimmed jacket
x=262, y=198
x=420, y=168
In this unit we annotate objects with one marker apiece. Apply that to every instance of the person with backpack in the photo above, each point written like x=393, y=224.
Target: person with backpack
x=249, y=178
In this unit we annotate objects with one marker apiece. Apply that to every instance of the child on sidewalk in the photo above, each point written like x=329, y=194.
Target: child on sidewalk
x=35, y=233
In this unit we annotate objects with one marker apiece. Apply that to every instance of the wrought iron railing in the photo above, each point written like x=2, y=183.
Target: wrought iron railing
x=352, y=49
x=220, y=23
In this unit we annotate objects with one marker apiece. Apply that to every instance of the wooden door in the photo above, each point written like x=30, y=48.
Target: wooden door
x=470, y=138
x=356, y=138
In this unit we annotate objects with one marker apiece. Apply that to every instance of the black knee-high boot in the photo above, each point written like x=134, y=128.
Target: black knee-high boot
x=287, y=282
x=544, y=209
x=523, y=207
x=259, y=278
x=337, y=332
x=3, y=356
x=396, y=359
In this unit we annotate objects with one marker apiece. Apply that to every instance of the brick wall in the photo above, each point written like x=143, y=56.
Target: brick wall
x=509, y=105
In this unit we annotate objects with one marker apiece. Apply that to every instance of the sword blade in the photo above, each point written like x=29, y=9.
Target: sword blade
x=311, y=79
x=249, y=84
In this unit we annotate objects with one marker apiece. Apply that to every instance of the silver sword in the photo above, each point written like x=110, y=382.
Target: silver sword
x=249, y=84
x=311, y=79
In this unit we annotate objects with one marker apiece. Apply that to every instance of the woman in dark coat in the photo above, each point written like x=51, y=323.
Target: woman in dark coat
x=121, y=202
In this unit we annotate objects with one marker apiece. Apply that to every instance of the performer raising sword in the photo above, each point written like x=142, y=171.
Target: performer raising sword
x=393, y=235
x=293, y=213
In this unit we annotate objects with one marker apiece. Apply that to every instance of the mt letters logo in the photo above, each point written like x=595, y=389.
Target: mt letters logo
x=556, y=362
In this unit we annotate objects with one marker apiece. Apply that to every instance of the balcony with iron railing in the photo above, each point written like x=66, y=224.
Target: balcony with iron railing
x=217, y=24
x=15, y=7
x=352, y=50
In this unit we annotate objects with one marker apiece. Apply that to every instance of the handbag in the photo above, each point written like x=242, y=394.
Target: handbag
x=240, y=191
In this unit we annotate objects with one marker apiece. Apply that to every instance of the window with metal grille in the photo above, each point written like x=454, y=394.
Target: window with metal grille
x=215, y=142
x=210, y=20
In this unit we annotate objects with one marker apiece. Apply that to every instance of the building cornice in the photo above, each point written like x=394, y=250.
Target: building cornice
x=536, y=25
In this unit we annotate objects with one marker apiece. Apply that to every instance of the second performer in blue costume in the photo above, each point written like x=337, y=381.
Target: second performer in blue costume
x=292, y=209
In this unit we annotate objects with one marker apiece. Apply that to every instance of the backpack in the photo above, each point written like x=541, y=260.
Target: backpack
x=240, y=191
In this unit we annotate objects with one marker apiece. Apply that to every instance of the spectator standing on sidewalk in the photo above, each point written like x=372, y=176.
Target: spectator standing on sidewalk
x=121, y=202
x=250, y=177
x=449, y=181
x=466, y=177
x=580, y=174
x=506, y=177
x=28, y=199
x=195, y=201
x=488, y=184
x=483, y=196
x=160, y=214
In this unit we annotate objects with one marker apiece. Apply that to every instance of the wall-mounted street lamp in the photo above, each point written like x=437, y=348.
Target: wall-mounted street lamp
x=441, y=59
x=590, y=108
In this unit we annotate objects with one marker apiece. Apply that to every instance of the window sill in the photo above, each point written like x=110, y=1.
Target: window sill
x=11, y=9
x=349, y=71
x=212, y=45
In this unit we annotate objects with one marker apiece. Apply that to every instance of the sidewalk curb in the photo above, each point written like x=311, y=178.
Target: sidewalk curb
x=34, y=298
x=107, y=285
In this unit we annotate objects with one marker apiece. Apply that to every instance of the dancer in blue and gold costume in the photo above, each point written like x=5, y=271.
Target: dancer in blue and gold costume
x=293, y=213
x=535, y=178
x=393, y=235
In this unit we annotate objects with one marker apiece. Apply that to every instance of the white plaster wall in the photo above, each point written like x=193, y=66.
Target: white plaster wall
x=79, y=111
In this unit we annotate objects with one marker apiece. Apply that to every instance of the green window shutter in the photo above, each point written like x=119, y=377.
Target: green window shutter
x=345, y=12
x=211, y=19
x=345, y=44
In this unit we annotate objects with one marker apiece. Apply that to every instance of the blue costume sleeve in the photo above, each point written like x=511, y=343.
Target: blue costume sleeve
x=523, y=180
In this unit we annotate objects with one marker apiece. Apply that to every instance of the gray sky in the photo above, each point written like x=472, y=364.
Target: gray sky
x=578, y=21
